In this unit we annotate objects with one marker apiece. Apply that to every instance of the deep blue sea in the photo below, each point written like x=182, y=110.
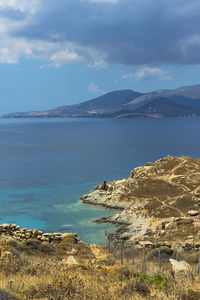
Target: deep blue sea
x=47, y=164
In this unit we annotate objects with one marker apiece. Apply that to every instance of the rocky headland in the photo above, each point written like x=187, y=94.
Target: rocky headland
x=158, y=203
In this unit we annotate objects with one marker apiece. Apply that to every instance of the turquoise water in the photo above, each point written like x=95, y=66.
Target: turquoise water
x=47, y=164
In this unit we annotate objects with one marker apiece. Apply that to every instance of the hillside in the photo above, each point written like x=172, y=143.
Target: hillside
x=162, y=192
x=160, y=107
x=103, y=105
x=183, y=101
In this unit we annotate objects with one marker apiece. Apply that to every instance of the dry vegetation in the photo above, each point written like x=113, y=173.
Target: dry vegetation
x=37, y=271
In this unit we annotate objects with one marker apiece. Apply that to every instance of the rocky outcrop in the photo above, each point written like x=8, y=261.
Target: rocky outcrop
x=159, y=202
x=20, y=234
x=181, y=270
x=127, y=212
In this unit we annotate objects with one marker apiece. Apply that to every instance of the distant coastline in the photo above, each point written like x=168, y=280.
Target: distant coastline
x=184, y=101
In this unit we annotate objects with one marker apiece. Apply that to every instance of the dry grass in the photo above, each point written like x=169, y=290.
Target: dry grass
x=36, y=277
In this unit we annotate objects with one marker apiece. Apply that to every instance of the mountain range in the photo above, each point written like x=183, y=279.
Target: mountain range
x=184, y=101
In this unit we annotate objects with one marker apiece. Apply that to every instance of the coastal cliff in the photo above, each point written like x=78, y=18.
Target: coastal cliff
x=159, y=201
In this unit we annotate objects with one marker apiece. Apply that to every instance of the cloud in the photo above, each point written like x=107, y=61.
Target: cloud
x=93, y=88
x=62, y=57
x=152, y=72
x=22, y=5
x=148, y=73
x=102, y=32
x=52, y=53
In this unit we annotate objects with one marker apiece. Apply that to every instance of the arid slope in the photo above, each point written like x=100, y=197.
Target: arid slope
x=155, y=192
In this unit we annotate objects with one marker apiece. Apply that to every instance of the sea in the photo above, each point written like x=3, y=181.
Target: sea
x=47, y=164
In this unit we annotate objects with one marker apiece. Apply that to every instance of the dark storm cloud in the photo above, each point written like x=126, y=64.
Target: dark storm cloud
x=126, y=31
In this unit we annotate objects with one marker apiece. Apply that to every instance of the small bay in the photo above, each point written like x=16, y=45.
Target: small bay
x=47, y=164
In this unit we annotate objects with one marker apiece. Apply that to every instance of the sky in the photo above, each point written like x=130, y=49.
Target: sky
x=55, y=53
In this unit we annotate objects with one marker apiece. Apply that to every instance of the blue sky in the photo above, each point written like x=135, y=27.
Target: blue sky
x=55, y=53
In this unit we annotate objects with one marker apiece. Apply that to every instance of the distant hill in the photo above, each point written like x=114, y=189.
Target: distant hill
x=184, y=101
x=158, y=108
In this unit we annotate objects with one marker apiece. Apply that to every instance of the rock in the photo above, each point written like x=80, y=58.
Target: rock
x=13, y=226
x=165, y=253
x=5, y=226
x=70, y=261
x=57, y=234
x=162, y=232
x=146, y=244
x=197, y=245
x=167, y=244
x=189, y=245
x=185, y=221
x=181, y=269
x=170, y=225
x=47, y=234
x=34, y=232
x=28, y=235
x=72, y=236
x=72, y=252
x=193, y=213
x=43, y=238
x=56, y=238
x=182, y=244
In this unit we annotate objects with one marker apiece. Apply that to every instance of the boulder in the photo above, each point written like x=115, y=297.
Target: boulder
x=193, y=213
x=181, y=269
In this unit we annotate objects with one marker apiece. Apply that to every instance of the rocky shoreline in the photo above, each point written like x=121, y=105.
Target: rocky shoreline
x=128, y=221
x=159, y=202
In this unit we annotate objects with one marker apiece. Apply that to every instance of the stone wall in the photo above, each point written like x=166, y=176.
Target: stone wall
x=21, y=234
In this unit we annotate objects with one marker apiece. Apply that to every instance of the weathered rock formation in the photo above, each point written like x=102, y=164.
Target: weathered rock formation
x=159, y=201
